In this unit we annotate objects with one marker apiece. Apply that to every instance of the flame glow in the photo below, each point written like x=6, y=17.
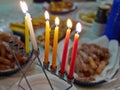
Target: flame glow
x=69, y=23
x=78, y=27
x=46, y=15
x=57, y=21
x=23, y=6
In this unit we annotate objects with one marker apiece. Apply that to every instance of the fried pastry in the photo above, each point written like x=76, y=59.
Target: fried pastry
x=91, y=60
x=7, y=60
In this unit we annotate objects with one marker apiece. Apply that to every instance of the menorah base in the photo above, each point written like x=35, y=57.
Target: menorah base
x=45, y=67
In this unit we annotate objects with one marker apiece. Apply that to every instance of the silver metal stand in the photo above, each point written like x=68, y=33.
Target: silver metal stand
x=44, y=69
x=36, y=53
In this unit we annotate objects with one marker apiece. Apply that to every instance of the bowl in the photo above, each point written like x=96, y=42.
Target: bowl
x=86, y=17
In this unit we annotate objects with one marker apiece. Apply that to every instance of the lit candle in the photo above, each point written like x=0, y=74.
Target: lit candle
x=27, y=43
x=55, y=43
x=29, y=24
x=65, y=49
x=47, y=38
x=74, y=51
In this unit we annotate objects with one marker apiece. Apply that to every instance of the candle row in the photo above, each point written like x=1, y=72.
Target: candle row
x=29, y=28
x=66, y=43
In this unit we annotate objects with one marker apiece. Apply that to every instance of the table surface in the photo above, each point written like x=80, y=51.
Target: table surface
x=12, y=12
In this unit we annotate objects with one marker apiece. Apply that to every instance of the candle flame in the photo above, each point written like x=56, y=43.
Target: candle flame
x=78, y=27
x=57, y=21
x=23, y=6
x=46, y=15
x=69, y=23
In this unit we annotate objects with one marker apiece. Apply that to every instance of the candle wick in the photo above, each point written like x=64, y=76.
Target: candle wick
x=47, y=19
x=69, y=28
x=26, y=12
x=56, y=25
x=77, y=32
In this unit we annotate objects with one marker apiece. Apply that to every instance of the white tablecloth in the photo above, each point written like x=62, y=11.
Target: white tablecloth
x=12, y=13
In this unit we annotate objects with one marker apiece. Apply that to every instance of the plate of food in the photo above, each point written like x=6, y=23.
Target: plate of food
x=39, y=81
x=93, y=68
x=8, y=64
x=62, y=32
x=86, y=17
x=18, y=28
x=60, y=7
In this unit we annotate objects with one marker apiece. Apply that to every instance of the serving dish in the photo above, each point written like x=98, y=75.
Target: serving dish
x=86, y=17
x=15, y=69
x=40, y=34
x=62, y=7
x=8, y=63
x=110, y=70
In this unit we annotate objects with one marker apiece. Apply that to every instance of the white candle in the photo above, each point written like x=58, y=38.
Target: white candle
x=30, y=26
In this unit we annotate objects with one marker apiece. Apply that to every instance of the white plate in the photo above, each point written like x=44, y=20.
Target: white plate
x=64, y=11
x=86, y=25
x=110, y=70
x=11, y=71
x=39, y=82
x=113, y=66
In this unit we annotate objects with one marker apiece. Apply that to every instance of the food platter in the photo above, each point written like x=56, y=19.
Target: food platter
x=8, y=63
x=99, y=82
x=109, y=72
x=40, y=34
x=12, y=71
x=15, y=69
x=60, y=7
x=86, y=17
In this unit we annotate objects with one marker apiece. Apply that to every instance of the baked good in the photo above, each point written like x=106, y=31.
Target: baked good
x=62, y=32
x=7, y=60
x=60, y=6
x=91, y=60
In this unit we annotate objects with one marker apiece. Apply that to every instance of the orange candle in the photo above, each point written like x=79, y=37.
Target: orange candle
x=65, y=49
x=55, y=43
x=47, y=38
x=74, y=51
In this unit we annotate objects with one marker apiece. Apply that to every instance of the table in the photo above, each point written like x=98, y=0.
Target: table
x=12, y=12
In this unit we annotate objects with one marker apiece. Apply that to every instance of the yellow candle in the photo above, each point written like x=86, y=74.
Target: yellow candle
x=27, y=43
x=55, y=43
x=29, y=23
x=47, y=38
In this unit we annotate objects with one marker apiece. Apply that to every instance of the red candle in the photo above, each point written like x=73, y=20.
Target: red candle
x=65, y=49
x=74, y=51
